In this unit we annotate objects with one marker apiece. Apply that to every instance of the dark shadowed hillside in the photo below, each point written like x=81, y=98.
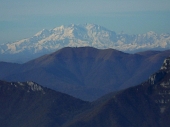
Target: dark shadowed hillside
x=145, y=105
x=86, y=72
x=27, y=104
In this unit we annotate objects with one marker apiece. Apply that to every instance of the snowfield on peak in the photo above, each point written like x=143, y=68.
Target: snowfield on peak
x=80, y=35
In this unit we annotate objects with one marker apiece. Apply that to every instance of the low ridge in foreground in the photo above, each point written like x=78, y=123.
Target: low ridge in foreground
x=27, y=104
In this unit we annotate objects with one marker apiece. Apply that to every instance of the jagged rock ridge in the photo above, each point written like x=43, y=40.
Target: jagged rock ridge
x=161, y=85
x=145, y=105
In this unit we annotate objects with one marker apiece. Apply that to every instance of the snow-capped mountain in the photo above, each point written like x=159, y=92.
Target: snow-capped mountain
x=47, y=41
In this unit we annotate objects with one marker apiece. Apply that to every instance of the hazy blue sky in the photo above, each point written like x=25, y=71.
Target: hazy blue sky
x=23, y=18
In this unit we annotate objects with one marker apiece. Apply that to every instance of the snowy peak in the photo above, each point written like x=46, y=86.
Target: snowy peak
x=81, y=35
x=79, y=30
x=44, y=33
x=151, y=33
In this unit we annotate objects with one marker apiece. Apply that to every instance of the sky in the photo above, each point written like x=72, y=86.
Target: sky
x=21, y=19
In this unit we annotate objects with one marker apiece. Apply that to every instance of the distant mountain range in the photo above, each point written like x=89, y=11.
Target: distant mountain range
x=146, y=105
x=85, y=72
x=80, y=35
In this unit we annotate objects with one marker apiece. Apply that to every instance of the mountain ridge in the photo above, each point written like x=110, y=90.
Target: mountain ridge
x=146, y=105
x=29, y=104
x=86, y=72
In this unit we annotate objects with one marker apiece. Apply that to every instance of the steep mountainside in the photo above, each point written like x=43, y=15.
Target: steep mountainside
x=146, y=105
x=86, y=72
x=27, y=104
x=48, y=41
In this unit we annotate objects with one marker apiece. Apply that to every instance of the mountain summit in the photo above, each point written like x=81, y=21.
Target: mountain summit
x=80, y=35
x=85, y=72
